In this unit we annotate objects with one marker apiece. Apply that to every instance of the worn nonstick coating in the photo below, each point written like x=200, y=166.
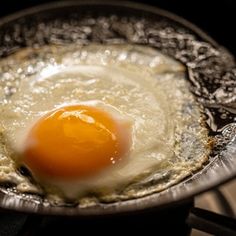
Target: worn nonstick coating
x=22, y=30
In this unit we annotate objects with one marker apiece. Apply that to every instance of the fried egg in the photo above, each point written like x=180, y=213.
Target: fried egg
x=108, y=121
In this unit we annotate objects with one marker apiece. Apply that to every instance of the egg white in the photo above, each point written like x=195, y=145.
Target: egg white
x=137, y=85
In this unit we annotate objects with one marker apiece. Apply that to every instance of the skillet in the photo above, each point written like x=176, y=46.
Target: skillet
x=211, y=72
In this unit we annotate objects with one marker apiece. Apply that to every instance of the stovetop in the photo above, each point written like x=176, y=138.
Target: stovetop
x=221, y=200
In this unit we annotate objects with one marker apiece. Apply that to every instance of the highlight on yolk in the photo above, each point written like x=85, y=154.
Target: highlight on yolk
x=75, y=141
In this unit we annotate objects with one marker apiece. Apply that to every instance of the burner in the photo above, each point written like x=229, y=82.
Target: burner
x=12, y=224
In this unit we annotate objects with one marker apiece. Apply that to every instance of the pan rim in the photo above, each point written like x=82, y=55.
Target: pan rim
x=129, y=4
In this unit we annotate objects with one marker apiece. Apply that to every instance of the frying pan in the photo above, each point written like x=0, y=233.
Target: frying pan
x=211, y=71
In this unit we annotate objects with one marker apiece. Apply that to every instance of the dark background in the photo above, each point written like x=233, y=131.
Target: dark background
x=216, y=17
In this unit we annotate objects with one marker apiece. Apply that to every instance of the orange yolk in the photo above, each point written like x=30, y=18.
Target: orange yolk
x=75, y=141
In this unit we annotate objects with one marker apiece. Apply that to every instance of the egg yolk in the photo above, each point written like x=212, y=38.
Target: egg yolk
x=75, y=141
